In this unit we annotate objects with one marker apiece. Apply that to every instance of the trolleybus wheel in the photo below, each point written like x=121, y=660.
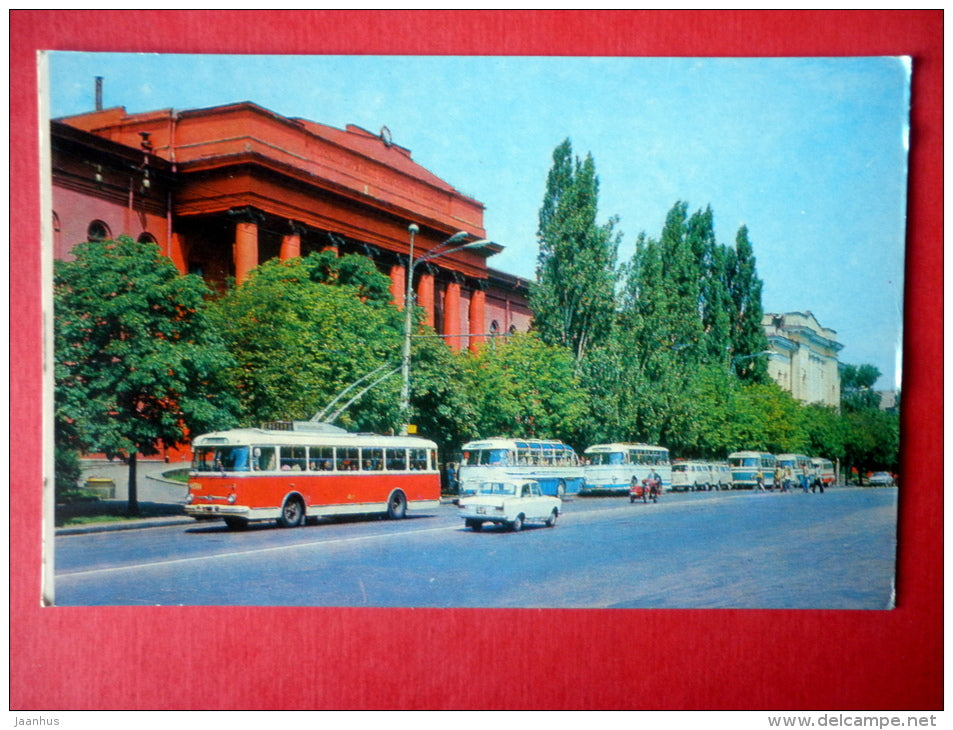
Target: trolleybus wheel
x=397, y=506
x=292, y=512
x=561, y=489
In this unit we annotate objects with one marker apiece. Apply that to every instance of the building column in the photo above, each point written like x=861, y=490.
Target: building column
x=425, y=288
x=398, y=285
x=451, y=314
x=291, y=243
x=478, y=324
x=245, y=249
x=177, y=253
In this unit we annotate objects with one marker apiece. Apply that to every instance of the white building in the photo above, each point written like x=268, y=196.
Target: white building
x=803, y=357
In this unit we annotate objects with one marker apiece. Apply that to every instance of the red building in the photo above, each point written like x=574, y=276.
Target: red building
x=223, y=189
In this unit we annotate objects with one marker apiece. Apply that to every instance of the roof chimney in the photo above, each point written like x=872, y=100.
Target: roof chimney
x=99, y=93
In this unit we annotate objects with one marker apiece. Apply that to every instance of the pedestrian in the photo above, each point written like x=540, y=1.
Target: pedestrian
x=788, y=479
x=760, y=480
x=778, y=478
x=804, y=484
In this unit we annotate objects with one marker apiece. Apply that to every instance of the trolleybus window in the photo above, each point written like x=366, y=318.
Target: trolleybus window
x=294, y=458
x=418, y=460
x=396, y=459
x=264, y=458
x=347, y=458
x=321, y=457
x=372, y=459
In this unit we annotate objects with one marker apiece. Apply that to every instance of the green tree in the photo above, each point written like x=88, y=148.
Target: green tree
x=300, y=336
x=524, y=387
x=857, y=387
x=747, y=333
x=714, y=299
x=138, y=364
x=573, y=297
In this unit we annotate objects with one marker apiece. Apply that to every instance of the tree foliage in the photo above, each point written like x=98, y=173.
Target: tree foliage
x=138, y=364
x=304, y=329
x=524, y=387
x=573, y=297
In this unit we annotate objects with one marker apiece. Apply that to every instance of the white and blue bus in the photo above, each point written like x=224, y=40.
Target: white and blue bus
x=745, y=466
x=552, y=463
x=616, y=467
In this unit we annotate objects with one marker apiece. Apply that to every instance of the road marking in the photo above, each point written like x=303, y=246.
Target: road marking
x=256, y=551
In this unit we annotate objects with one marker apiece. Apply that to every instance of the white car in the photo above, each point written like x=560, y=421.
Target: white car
x=511, y=503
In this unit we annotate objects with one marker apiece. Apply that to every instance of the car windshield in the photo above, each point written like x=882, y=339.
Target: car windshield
x=504, y=488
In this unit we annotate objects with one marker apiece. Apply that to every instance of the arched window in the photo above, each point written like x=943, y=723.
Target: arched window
x=494, y=327
x=56, y=232
x=146, y=237
x=98, y=231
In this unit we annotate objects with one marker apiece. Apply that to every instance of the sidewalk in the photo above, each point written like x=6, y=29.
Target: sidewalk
x=160, y=501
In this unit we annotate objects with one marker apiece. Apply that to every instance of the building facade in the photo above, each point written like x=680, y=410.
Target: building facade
x=803, y=357
x=223, y=189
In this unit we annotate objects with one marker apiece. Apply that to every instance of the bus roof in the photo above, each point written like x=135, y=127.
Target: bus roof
x=500, y=442
x=249, y=436
x=602, y=448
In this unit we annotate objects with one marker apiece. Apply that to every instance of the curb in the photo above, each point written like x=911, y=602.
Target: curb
x=146, y=522
x=117, y=526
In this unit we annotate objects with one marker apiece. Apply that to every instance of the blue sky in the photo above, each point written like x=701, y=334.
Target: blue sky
x=810, y=154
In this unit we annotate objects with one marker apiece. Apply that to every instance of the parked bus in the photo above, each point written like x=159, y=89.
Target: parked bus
x=289, y=472
x=802, y=470
x=824, y=467
x=696, y=476
x=552, y=463
x=616, y=467
x=745, y=466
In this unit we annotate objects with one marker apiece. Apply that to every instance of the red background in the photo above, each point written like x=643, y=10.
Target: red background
x=316, y=658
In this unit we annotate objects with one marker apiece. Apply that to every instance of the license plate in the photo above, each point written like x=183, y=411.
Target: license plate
x=481, y=510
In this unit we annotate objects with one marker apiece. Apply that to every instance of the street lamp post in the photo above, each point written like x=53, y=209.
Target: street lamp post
x=432, y=254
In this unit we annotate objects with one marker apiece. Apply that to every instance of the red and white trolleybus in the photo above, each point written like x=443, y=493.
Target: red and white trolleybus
x=291, y=471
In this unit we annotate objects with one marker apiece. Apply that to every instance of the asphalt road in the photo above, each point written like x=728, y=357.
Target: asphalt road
x=708, y=550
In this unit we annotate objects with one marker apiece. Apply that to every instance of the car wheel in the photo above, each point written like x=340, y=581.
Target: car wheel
x=397, y=507
x=517, y=524
x=292, y=513
x=551, y=522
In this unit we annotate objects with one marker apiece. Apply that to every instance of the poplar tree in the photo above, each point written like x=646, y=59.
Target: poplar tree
x=714, y=302
x=573, y=297
x=747, y=333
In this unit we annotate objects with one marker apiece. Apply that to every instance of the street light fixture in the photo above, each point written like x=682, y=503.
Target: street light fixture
x=436, y=252
x=741, y=358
